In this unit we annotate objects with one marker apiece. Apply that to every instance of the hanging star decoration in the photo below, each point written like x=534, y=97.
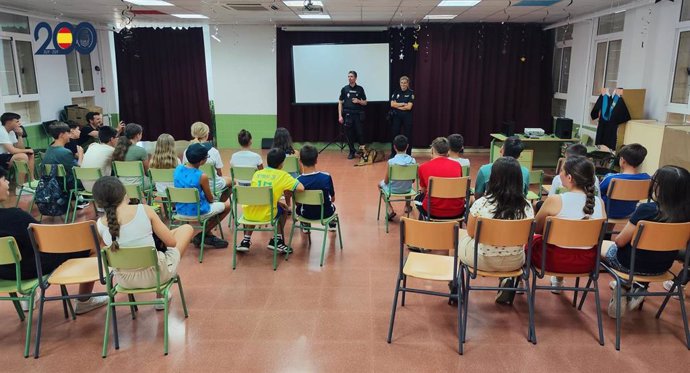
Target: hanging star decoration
x=402, y=56
x=415, y=46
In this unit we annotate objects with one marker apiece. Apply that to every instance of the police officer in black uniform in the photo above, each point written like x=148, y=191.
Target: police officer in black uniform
x=401, y=113
x=351, y=111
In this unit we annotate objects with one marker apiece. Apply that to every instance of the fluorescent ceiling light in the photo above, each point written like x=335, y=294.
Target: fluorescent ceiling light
x=459, y=2
x=150, y=2
x=314, y=16
x=190, y=16
x=300, y=3
x=440, y=16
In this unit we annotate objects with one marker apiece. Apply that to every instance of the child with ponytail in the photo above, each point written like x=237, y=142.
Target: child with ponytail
x=127, y=150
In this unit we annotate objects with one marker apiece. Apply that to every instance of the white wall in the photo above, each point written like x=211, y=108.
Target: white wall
x=647, y=58
x=244, y=69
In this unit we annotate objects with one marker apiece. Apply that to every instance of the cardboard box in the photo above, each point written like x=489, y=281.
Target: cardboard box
x=78, y=113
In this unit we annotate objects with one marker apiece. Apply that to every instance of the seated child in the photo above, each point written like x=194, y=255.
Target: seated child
x=457, y=147
x=280, y=183
x=630, y=158
x=164, y=157
x=315, y=180
x=401, y=158
x=572, y=150
x=74, y=133
x=245, y=157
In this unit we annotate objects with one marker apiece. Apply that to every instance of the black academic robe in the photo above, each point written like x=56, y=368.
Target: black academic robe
x=607, y=129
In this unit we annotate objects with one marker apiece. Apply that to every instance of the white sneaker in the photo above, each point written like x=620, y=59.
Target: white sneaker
x=90, y=305
x=667, y=286
x=161, y=307
x=612, y=305
x=555, y=281
x=25, y=304
x=635, y=301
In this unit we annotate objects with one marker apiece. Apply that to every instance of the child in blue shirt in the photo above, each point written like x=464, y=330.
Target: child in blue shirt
x=630, y=158
x=315, y=180
x=401, y=158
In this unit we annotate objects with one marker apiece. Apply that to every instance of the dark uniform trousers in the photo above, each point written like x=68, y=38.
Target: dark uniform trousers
x=401, y=119
x=354, y=128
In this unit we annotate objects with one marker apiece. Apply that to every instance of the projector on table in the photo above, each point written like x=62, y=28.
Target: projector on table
x=534, y=132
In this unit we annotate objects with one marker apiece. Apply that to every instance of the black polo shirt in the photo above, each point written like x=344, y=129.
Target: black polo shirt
x=84, y=137
x=403, y=97
x=348, y=93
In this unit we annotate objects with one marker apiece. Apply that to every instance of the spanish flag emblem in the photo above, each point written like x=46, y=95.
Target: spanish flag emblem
x=64, y=38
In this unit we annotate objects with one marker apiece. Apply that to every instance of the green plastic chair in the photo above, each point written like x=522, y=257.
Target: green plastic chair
x=536, y=177
x=257, y=196
x=18, y=290
x=291, y=165
x=191, y=195
x=241, y=173
x=29, y=186
x=161, y=175
x=62, y=174
x=398, y=173
x=313, y=198
x=132, y=169
x=129, y=259
x=84, y=174
x=210, y=171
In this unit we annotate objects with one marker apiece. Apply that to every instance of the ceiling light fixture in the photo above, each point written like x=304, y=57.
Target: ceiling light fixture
x=459, y=2
x=314, y=16
x=440, y=16
x=150, y=2
x=300, y=3
x=190, y=16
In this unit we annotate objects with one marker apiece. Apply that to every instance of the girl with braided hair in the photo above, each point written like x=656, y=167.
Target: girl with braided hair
x=579, y=202
x=126, y=226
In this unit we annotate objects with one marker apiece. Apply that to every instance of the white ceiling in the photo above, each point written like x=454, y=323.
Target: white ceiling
x=342, y=12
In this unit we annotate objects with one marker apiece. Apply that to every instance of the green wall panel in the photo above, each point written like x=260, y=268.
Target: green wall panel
x=228, y=125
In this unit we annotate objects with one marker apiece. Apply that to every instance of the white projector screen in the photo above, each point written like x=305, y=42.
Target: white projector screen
x=320, y=71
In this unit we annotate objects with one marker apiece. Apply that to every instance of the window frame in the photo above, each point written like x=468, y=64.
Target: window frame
x=670, y=106
x=81, y=92
x=559, y=47
x=20, y=96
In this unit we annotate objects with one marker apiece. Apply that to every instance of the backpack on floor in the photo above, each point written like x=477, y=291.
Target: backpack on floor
x=49, y=196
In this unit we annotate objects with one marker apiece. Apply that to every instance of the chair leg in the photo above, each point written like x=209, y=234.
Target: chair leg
x=31, y=204
x=104, y=352
x=74, y=211
x=340, y=235
x=598, y=307
x=531, y=295
x=70, y=307
x=165, y=322
x=234, y=245
x=459, y=294
x=37, y=346
x=292, y=232
x=404, y=284
x=465, y=305
x=17, y=306
x=668, y=296
x=577, y=285
x=19, y=197
x=386, y=215
x=27, y=343
x=584, y=293
x=323, y=244
x=684, y=315
x=203, y=239
x=182, y=300
x=395, y=305
x=116, y=333
x=618, y=314
x=378, y=212
x=132, y=308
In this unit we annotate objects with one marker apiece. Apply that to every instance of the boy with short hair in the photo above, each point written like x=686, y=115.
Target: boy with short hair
x=439, y=166
x=190, y=176
x=630, y=158
x=401, y=158
x=58, y=154
x=312, y=179
x=457, y=147
x=280, y=182
x=245, y=157
x=571, y=151
x=100, y=154
x=12, y=143
x=512, y=147
x=74, y=134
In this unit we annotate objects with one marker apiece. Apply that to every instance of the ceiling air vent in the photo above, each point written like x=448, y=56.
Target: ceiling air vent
x=244, y=7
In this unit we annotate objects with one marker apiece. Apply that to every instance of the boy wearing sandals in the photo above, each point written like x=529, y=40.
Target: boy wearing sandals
x=401, y=158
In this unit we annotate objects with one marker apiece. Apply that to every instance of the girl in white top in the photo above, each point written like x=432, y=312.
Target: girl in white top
x=164, y=158
x=504, y=200
x=126, y=226
x=200, y=132
x=580, y=202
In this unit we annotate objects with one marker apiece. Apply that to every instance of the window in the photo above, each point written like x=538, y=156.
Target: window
x=681, y=84
x=558, y=107
x=14, y=23
x=564, y=33
x=606, y=65
x=17, y=68
x=561, y=69
x=685, y=11
x=611, y=23
x=79, y=72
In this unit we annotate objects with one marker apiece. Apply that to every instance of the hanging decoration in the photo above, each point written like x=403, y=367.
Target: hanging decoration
x=646, y=21
x=506, y=39
x=427, y=43
x=480, y=41
x=523, y=38
x=505, y=11
x=401, y=35
x=415, y=35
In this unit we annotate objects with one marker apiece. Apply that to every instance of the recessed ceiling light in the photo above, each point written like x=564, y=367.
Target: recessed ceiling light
x=314, y=16
x=190, y=16
x=459, y=2
x=440, y=16
x=300, y=3
x=150, y=2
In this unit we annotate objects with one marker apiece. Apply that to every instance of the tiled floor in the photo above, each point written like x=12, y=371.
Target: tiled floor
x=306, y=318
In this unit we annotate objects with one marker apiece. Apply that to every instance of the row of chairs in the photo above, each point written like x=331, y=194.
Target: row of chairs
x=560, y=232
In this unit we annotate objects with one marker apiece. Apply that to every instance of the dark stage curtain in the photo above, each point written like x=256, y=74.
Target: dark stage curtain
x=319, y=122
x=161, y=77
x=467, y=78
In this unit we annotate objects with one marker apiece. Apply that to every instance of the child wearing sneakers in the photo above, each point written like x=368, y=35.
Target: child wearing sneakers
x=190, y=176
x=401, y=158
x=457, y=147
x=280, y=182
x=316, y=180
x=630, y=158
x=246, y=157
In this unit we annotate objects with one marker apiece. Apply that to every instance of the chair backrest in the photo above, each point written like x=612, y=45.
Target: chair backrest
x=162, y=175
x=132, y=257
x=128, y=168
x=134, y=192
x=242, y=173
x=403, y=173
x=257, y=196
x=9, y=251
x=655, y=236
x=429, y=235
x=465, y=170
x=183, y=195
x=497, y=232
x=21, y=168
x=291, y=164
x=536, y=177
x=209, y=170
x=586, y=139
x=309, y=197
x=559, y=165
x=526, y=158
x=87, y=173
x=60, y=170
x=628, y=190
x=64, y=238
x=573, y=233
x=449, y=187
